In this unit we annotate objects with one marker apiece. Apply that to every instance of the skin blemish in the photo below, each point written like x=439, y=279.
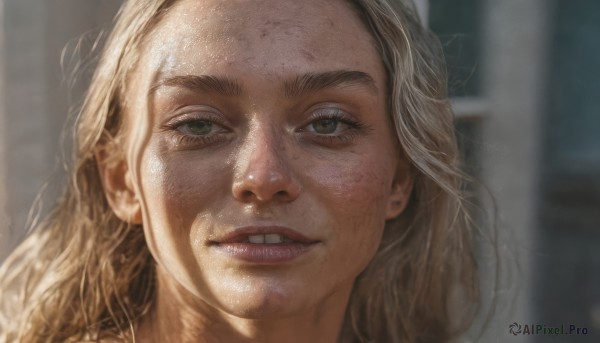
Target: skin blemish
x=310, y=57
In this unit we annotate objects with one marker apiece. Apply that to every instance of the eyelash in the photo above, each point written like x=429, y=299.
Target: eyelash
x=196, y=140
x=347, y=136
x=182, y=139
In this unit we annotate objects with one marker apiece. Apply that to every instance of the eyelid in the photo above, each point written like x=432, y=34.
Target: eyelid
x=352, y=128
x=333, y=112
x=187, y=115
x=174, y=128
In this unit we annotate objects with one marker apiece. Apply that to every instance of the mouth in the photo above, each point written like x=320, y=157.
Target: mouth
x=270, y=238
x=264, y=245
x=264, y=235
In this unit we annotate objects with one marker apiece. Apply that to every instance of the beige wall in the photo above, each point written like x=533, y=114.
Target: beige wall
x=33, y=102
x=4, y=242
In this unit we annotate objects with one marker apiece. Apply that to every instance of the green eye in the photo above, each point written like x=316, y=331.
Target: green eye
x=198, y=127
x=325, y=126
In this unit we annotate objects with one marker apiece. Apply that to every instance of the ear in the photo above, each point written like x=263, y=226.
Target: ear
x=118, y=185
x=401, y=189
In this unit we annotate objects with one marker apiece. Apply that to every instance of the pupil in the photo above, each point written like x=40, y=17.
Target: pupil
x=200, y=127
x=325, y=126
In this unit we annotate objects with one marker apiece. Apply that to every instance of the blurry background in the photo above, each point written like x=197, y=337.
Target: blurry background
x=525, y=83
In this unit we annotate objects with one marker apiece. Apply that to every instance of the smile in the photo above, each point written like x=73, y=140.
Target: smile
x=271, y=238
x=264, y=245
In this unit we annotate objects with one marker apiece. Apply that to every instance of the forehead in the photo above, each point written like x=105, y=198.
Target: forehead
x=266, y=36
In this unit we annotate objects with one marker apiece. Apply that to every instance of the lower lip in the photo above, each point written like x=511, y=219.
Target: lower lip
x=265, y=253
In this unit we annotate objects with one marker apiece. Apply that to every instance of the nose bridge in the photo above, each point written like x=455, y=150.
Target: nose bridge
x=262, y=150
x=262, y=170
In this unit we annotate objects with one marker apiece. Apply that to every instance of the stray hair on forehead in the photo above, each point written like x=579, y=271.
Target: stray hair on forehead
x=85, y=274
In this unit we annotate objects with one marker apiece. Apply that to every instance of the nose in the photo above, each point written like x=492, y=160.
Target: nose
x=262, y=172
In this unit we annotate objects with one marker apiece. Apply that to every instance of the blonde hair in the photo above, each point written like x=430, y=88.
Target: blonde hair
x=83, y=274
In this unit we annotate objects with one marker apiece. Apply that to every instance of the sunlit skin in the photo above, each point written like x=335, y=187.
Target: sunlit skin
x=202, y=161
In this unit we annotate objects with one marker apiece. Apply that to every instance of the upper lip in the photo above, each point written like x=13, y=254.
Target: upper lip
x=239, y=234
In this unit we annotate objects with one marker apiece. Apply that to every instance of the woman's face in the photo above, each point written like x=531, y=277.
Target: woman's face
x=261, y=152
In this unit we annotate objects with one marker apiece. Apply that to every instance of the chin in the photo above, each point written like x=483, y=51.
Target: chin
x=261, y=301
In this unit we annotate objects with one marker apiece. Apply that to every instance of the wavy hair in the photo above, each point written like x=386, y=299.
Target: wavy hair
x=85, y=275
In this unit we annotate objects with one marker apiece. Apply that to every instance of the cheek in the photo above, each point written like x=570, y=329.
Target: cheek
x=361, y=184
x=177, y=190
x=355, y=193
x=181, y=187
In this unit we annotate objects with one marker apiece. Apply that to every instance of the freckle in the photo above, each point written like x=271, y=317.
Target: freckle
x=358, y=178
x=308, y=55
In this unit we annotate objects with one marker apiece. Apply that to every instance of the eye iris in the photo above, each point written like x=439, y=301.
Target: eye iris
x=200, y=127
x=325, y=126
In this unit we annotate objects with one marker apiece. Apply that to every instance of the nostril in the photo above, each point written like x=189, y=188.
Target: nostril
x=247, y=194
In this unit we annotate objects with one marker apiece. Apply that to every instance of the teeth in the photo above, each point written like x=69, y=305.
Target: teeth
x=273, y=238
x=257, y=239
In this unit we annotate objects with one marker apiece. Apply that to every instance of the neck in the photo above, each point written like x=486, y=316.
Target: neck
x=179, y=316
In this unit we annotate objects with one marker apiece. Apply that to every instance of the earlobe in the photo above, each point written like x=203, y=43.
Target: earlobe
x=401, y=191
x=118, y=186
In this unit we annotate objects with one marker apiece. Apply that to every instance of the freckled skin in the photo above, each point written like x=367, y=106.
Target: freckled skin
x=266, y=171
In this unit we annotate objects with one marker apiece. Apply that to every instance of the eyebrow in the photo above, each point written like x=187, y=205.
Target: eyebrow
x=300, y=85
x=202, y=83
x=313, y=82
